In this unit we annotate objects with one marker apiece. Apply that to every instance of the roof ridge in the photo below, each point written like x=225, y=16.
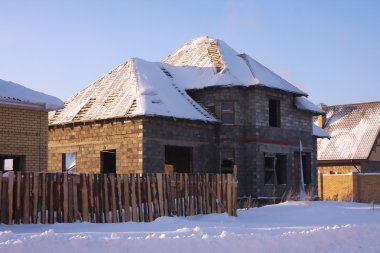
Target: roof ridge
x=362, y=103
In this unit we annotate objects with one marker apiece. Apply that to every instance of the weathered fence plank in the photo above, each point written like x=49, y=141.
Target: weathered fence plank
x=160, y=194
x=84, y=195
x=119, y=198
x=149, y=199
x=59, y=197
x=17, y=211
x=139, y=200
x=11, y=176
x=133, y=198
x=50, y=179
x=91, y=206
x=26, y=214
x=43, y=198
x=127, y=210
x=65, y=185
x=113, y=198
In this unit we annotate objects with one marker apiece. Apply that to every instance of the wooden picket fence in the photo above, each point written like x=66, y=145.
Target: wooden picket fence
x=104, y=198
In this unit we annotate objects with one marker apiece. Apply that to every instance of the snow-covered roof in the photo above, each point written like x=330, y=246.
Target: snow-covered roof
x=139, y=87
x=217, y=64
x=17, y=95
x=319, y=132
x=134, y=88
x=354, y=129
x=303, y=103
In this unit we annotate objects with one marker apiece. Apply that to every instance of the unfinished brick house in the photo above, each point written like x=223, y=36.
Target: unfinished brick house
x=355, y=138
x=204, y=108
x=24, y=127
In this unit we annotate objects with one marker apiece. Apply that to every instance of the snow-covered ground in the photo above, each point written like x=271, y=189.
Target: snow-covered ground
x=286, y=227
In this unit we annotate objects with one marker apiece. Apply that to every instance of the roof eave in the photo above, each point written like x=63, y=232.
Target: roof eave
x=24, y=105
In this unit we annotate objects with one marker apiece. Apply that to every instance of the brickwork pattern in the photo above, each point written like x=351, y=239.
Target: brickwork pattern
x=88, y=140
x=200, y=136
x=24, y=132
x=336, y=187
x=349, y=187
x=251, y=135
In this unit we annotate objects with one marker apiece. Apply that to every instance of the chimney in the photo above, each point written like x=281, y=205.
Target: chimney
x=322, y=118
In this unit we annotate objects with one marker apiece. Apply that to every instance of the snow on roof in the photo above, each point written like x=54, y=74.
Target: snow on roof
x=139, y=87
x=134, y=88
x=159, y=95
x=18, y=95
x=319, y=132
x=354, y=129
x=219, y=64
x=304, y=104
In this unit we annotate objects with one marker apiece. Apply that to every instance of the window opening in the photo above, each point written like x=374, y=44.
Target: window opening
x=227, y=161
x=69, y=161
x=108, y=161
x=274, y=113
x=11, y=163
x=228, y=113
x=275, y=168
x=178, y=159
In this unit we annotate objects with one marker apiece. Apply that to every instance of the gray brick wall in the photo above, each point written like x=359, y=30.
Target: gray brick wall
x=251, y=136
x=159, y=132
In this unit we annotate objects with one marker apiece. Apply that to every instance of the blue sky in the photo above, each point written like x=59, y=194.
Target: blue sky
x=330, y=49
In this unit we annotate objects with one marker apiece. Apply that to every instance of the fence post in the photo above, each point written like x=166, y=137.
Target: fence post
x=10, y=197
x=160, y=194
x=25, y=216
x=234, y=190
x=84, y=199
x=43, y=198
x=127, y=210
x=65, y=198
x=17, y=212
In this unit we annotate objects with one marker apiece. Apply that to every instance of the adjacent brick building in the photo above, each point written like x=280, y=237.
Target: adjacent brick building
x=204, y=108
x=355, y=138
x=24, y=127
x=349, y=163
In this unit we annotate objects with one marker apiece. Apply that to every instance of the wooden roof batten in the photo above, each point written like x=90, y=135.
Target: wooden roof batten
x=215, y=56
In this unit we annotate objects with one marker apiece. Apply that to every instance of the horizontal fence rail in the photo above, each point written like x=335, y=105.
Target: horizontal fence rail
x=104, y=198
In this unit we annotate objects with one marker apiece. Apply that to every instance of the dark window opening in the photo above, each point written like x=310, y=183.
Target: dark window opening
x=227, y=161
x=108, y=161
x=306, y=166
x=275, y=169
x=274, y=113
x=306, y=169
x=179, y=159
x=228, y=113
x=11, y=163
x=281, y=169
x=69, y=161
x=268, y=170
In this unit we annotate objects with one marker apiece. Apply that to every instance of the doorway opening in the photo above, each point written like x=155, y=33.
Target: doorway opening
x=108, y=161
x=180, y=158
